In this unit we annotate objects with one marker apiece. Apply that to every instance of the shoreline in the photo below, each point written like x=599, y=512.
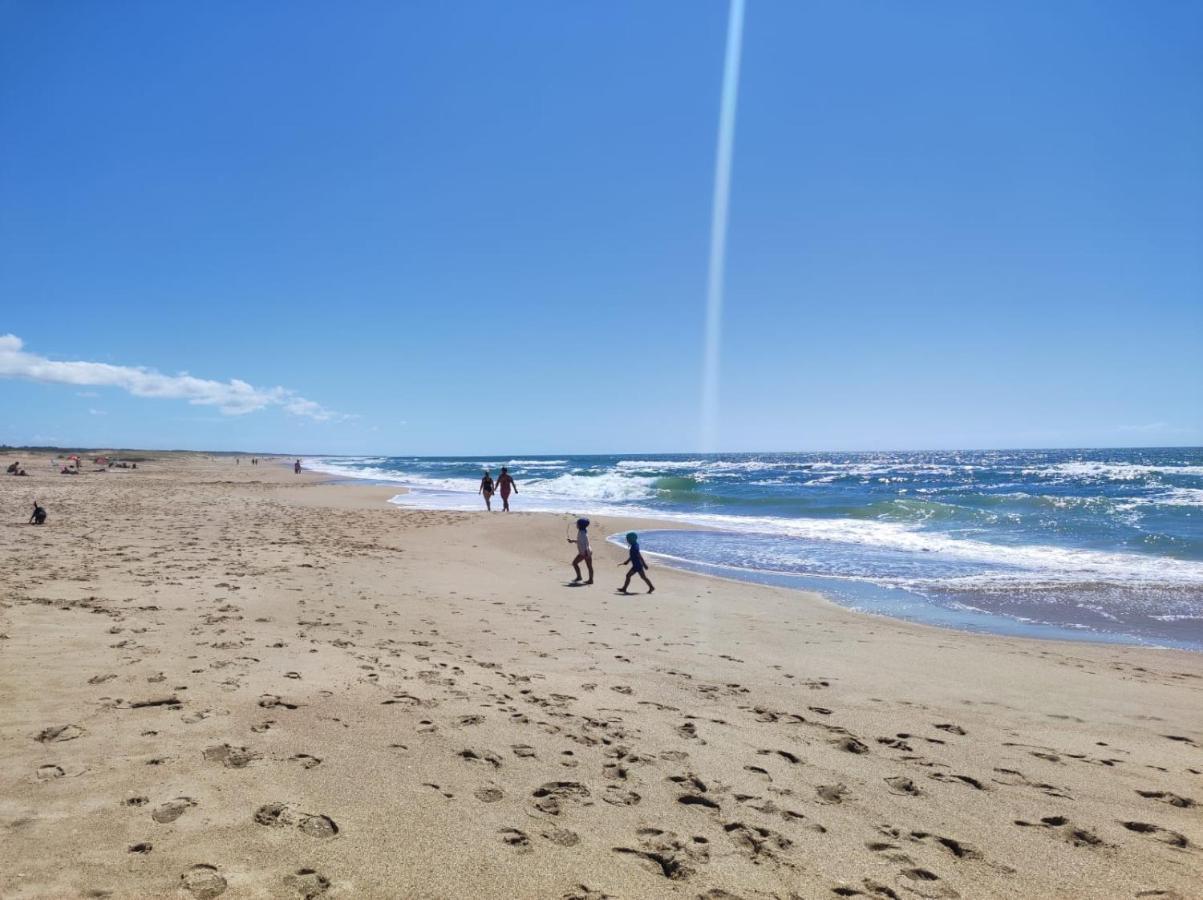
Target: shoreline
x=281, y=686
x=861, y=596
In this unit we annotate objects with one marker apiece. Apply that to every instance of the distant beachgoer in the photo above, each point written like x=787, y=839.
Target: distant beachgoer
x=12, y=469
x=637, y=563
x=583, y=553
x=39, y=515
x=486, y=490
x=296, y=467
x=505, y=484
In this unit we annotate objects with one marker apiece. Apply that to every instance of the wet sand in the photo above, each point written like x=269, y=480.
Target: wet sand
x=221, y=680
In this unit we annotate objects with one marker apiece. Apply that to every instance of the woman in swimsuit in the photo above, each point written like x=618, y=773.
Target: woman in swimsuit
x=486, y=490
x=505, y=484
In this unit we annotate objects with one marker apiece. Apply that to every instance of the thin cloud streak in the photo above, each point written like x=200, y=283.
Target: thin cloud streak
x=233, y=397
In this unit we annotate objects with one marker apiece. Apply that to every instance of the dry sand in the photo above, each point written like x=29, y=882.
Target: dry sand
x=230, y=680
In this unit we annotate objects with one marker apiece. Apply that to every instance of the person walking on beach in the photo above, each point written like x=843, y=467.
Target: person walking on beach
x=486, y=490
x=505, y=484
x=583, y=553
x=637, y=563
x=296, y=467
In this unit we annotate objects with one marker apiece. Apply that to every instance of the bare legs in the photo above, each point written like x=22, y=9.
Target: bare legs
x=632, y=573
x=576, y=565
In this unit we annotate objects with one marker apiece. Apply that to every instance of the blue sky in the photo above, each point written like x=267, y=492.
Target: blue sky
x=483, y=227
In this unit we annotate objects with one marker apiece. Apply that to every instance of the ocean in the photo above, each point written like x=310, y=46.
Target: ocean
x=1104, y=545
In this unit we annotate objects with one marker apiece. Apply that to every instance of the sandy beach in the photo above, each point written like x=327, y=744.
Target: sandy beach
x=226, y=680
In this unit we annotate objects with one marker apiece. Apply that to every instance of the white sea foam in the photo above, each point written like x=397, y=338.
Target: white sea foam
x=1177, y=497
x=353, y=467
x=659, y=465
x=608, y=487
x=1089, y=470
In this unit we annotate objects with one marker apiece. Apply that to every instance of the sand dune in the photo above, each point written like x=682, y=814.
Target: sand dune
x=219, y=680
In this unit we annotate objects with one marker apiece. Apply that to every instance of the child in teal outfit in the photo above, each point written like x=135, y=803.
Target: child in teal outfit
x=637, y=563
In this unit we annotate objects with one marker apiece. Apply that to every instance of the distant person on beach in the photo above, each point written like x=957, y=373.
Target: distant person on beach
x=583, y=553
x=39, y=515
x=486, y=490
x=505, y=484
x=12, y=469
x=296, y=467
x=637, y=563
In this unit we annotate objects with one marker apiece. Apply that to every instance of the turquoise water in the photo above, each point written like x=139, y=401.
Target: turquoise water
x=1101, y=544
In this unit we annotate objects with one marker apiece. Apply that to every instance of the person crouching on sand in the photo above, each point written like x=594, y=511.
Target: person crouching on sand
x=39, y=514
x=505, y=484
x=486, y=490
x=583, y=553
x=637, y=563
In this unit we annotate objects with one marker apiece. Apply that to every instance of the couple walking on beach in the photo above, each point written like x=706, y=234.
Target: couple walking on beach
x=504, y=485
x=584, y=554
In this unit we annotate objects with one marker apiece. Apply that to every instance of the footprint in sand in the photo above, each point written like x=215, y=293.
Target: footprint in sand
x=562, y=836
x=318, y=826
x=667, y=854
x=168, y=812
x=58, y=733
x=481, y=756
x=850, y=744
x=50, y=772
x=1173, y=838
x=515, y=838
x=488, y=794
x=307, y=883
x=204, y=881
x=280, y=815
x=756, y=842
x=832, y=793
x=1167, y=797
x=616, y=796
x=230, y=757
x=271, y=701
x=900, y=784
x=550, y=797
x=305, y=760
x=950, y=728
x=1078, y=837
x=584, y=892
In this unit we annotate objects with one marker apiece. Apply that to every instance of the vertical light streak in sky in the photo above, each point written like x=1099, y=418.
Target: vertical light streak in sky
x=718, y=225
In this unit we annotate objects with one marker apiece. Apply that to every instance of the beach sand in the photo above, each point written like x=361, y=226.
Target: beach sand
x=221, y=680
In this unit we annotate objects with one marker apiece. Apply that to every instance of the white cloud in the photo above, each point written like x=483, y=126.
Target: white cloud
x=233, y=397
x=98, y=412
